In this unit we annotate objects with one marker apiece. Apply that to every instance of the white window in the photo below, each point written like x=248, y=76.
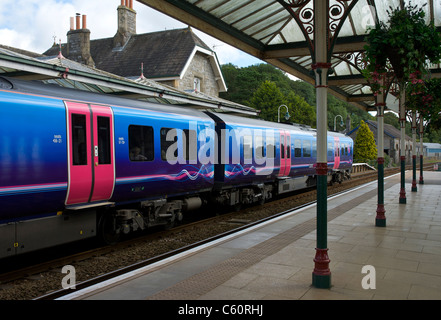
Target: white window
x=197, y=84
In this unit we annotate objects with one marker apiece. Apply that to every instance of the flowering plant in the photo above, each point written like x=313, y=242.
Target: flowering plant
x=424, y=96
x=406, y=42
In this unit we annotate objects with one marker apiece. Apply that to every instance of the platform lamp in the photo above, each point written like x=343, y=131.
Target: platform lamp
x=286, y=114
x=335, y=122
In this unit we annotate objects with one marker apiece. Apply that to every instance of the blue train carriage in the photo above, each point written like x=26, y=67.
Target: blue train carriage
x=164, y=166
x=259, y=159
x=340, y=156
x=74, y=168
x=33, y=173
x=246, y=160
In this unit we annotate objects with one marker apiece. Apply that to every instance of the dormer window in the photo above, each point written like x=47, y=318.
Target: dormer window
x=197, y=84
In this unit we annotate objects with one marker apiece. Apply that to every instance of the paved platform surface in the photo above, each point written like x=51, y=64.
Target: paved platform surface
x=275, y=261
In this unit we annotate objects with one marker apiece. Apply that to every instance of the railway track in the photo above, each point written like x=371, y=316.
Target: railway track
x=167, y=243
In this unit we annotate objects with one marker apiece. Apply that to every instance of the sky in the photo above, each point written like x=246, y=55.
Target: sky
x=32, y=25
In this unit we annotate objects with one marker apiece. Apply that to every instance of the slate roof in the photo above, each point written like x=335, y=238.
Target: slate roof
x=163, y=53
x=389, y=130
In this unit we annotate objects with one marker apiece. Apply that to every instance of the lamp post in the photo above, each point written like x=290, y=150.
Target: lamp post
x=286, y=114
x=335, y=122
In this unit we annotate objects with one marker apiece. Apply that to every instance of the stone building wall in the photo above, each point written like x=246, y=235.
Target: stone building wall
x=201, y=68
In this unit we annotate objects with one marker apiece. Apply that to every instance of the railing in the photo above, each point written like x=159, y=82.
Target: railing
x=362, y=167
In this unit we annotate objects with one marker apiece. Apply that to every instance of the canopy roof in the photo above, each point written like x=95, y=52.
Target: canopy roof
x=281, y=32
x=16, y=63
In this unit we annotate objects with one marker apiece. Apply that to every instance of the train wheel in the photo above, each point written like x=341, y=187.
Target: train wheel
x=107, y=229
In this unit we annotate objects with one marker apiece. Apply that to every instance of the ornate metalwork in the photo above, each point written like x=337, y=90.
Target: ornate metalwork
x=304, y=16
x=338, y=13
x=355, y=59
x=298, y=3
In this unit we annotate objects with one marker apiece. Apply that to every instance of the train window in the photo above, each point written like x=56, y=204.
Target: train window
x=270, y=147
x=79, y=142
x=169, y=147
x=141, y=143
x=260, y=150
x=330, y=150
x=247, y=147
x=288, y=147
x=282, y=150
x=191, y=145
x=306, y=148
x=103, y=140
x=297, y=148
x=314, y=149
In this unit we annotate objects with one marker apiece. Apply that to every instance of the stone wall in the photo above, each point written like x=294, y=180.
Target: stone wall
x=201, y=68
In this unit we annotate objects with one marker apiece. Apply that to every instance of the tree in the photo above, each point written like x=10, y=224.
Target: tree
x=268, y=98
x=300, y=111
x=364, y=145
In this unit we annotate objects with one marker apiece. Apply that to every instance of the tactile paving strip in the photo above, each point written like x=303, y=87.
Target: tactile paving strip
x=203, y=282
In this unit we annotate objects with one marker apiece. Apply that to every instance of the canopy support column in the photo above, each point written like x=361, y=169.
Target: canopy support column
x=403, y=199
x=380, y=220
x=321, y=275
x=421, y=148
x=414, y=129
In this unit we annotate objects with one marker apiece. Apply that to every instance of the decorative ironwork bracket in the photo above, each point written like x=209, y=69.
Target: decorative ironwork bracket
x=303, y=14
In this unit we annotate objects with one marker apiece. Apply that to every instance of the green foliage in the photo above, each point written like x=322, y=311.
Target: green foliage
x=300, y=110
x=425, y=96
x=299, y=96
x=364, y=144
x=406, y=41
x=267, y=99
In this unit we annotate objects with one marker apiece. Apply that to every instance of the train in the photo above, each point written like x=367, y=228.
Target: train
x=76, y=165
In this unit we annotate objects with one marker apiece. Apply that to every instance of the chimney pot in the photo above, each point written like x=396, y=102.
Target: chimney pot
x=78, y=21
x=72, y=23
x=131, y=4
x=84, y=22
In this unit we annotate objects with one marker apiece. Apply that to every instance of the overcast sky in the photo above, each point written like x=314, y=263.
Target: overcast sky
x=33, y=24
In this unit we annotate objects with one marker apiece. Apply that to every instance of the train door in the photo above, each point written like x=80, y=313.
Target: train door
x=91, y=155
x=336, y=153
x=285, y=153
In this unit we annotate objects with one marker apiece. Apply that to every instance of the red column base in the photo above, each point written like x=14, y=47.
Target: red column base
x=403, y=195
x=380, y=219
x=321, y=276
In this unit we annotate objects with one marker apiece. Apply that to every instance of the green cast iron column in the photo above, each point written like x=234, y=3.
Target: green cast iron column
x=402, y=143
x=414, y=128
x=321, y=275
x=421, y=149
x=380, y=219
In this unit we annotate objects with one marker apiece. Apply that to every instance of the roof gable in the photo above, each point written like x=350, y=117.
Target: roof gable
x=164, y=54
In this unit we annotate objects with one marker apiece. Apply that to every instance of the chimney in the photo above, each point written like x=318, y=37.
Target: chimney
x=78, y=41
x=126, y=24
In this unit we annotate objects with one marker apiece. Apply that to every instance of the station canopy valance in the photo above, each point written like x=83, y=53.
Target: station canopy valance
x=281, y=32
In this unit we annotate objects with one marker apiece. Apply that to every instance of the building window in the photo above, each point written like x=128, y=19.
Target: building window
x=197, y=84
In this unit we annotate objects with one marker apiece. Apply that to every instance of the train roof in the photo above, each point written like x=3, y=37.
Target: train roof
x=301, y=129
x=52, y=90
x=55, y=91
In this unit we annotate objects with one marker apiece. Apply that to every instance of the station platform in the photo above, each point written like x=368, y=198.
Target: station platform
x=274, y=261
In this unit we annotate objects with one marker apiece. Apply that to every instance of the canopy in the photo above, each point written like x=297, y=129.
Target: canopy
x=281, y=32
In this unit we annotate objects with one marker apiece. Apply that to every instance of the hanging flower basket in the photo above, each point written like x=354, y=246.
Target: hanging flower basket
x=406, y=42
